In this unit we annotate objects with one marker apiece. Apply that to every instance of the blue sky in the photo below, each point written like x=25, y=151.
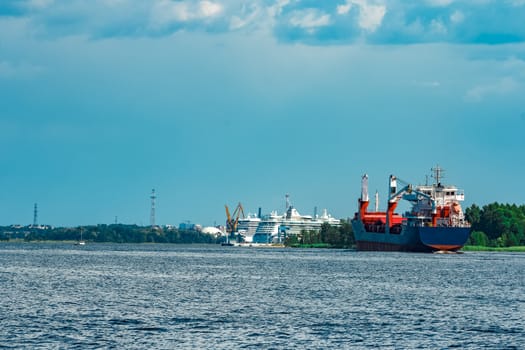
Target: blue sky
x=219, y=102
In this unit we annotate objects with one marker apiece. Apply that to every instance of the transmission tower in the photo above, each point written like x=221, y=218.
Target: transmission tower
x=35, y=216
x=152, y=214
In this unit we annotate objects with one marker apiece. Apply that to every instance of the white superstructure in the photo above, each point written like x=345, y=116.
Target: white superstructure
x=267, y=228
x=247, y=227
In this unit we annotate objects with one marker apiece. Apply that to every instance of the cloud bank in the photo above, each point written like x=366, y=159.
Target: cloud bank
x=314, y=22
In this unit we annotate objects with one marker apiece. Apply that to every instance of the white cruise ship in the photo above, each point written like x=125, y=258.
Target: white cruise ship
x=273, y=227
x=247, y=226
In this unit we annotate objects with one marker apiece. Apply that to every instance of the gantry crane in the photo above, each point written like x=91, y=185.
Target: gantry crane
x=233, y=220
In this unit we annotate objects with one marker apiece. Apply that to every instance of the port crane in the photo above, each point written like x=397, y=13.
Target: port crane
x=233, y=220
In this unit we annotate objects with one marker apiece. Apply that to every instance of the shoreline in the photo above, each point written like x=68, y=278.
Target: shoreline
x=475, y=248
x=466, y=248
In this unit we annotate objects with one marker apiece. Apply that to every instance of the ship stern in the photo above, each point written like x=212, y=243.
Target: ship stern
x=444, y=238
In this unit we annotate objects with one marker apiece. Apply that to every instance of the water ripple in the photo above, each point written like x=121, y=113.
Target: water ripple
x=206, y=297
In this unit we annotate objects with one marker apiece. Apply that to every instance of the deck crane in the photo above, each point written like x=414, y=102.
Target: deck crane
x=407, y=193
x=233, y=220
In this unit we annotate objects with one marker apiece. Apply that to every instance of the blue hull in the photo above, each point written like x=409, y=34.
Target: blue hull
x=411, y=239
x=444, y=238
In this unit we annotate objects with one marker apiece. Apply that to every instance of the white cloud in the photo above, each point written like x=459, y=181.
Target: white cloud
x=309, y=19
x=440, y=3
x=344, y=9
x=277, y=8
x=370, y=15
x=457, y=17
x=502, y=87
x=245, y=18
x=209, y=9
x=438, y=27
x=498, y=21
x=166, y=11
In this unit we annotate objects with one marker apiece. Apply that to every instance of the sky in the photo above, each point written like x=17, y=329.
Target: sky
x=217, y=102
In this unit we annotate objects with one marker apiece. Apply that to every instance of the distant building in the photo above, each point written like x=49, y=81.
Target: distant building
x=211, y=230
x=186, y=226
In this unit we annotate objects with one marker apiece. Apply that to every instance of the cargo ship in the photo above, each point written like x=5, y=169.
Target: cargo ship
x=435, y=221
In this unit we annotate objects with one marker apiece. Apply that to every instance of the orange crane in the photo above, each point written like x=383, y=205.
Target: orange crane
x=233, y=220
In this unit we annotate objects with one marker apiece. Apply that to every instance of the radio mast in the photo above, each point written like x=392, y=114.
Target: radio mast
x=152, y=213
x=35, y=216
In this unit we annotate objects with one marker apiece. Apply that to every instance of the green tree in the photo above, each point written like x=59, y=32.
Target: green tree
x=504, y=224
x=473, y=214
x=291, y=240
x=479, y=238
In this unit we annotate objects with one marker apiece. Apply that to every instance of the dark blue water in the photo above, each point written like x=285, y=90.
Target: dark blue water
x=207, y=297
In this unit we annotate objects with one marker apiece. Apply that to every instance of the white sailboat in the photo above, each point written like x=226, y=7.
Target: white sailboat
x=81, y=241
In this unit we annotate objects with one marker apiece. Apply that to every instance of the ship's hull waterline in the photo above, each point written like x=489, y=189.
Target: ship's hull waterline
x=412, y=239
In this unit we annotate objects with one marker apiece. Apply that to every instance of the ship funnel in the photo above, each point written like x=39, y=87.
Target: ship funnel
x=364, y=188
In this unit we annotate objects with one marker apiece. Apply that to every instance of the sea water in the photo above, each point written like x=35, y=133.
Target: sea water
x=119, y=296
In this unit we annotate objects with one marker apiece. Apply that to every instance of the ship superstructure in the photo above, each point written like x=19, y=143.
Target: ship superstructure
x=247, y=227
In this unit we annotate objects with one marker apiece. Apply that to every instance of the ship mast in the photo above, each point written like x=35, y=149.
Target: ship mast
x=364, y=188
x=392, y=202
x=363, y=200
x=437, y=174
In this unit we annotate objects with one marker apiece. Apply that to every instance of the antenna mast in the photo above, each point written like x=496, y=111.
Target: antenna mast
x=35, y=216
x=152, y=214
x=438, y=174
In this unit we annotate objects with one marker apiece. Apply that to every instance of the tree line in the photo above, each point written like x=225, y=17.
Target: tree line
x=329, y=236
x=497, y=225
x=118, y=233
